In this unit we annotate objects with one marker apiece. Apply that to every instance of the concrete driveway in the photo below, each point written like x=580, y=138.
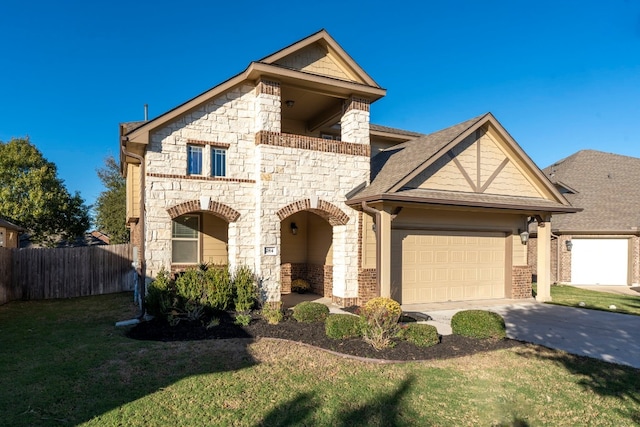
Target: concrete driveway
x=611, y=337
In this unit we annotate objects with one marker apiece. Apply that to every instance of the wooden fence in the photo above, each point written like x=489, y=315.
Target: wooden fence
x=34, y=274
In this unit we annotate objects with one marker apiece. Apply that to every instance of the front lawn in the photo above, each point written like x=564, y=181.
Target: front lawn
x=64, y=363
x=571, y=296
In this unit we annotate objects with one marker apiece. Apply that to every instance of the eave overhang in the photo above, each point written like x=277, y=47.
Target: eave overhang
x=255, y=71
x=506, y=206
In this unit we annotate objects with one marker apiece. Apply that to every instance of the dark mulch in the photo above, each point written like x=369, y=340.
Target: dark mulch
x=313, y=334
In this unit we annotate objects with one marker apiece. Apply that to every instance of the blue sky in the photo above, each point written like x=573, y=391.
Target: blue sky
x=560, y=76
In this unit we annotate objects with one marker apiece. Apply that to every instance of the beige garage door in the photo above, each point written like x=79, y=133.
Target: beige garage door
x=432, y=266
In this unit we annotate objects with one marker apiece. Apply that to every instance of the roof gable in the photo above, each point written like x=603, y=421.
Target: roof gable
x=320, y=54
x=477, y=156
x=479, y=164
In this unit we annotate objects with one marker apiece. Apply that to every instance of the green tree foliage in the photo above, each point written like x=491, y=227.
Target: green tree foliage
x=111, y=204
x=32, y=195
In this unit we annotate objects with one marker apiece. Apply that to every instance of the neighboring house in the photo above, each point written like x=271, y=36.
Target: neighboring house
x=599, y=245
x=279, y=168
x=9, y=234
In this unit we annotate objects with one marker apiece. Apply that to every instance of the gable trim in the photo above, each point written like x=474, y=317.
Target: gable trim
x=328, y=43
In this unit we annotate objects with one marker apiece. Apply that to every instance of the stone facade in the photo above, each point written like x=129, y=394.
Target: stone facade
x=267, y=173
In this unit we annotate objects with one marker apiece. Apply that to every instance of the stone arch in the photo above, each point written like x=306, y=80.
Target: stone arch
x=215, y=208
x=331, y=213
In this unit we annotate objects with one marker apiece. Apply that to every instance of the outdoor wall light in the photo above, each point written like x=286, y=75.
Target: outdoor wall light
x=524, y=236
x=289, y=103
x=294, y=228
x=569, y=244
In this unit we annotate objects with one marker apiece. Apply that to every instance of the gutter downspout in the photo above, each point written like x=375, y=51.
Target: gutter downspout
x=557, y=257
x=142, y=269
x=376, y=214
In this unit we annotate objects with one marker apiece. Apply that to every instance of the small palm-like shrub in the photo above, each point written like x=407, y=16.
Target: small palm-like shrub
x=478, y=324
x=300, y=286
x=381, y=321
x=419, y=334
x=272, y=312
x=310, y=312
x=342, y=326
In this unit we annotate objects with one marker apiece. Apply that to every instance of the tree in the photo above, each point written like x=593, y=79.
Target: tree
x=111, y=204
x=32, y=195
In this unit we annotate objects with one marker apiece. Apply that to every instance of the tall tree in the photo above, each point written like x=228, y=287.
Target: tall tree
x=111, y=204
x=32, y=195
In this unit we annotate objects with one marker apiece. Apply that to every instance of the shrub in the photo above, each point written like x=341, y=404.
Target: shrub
x=419, y=334
x=243, y=319
x=218, y=288
x=310, y=312
x=160, y=294
x=478, y=324
x=342, y=326
x=381, y=316
x=190, y=284
x=246, y=289
x=272, y=312
x=300, y=286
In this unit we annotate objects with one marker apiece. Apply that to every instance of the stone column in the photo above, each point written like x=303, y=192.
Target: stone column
x=355, y=121
x=268, y=110
x=339, y=261
x=544, y=260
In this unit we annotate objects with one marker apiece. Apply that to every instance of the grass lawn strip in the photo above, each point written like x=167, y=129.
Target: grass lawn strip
x=571, y=296
x=64, y=363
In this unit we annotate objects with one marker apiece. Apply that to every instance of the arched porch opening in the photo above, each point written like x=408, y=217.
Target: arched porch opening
x=307, y=254
x=200, y=236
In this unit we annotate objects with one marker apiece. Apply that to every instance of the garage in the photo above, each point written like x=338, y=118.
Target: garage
x=600, y=261
x=437, y=266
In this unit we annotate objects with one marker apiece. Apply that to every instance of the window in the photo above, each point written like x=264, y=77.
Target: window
x=185, y=239
x=218, y=162
x=194, y=160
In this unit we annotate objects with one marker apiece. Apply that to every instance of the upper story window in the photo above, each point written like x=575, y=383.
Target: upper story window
x=218, y=162
x=194, y=160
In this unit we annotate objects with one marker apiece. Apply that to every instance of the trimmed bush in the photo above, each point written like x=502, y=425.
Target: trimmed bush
x=310, y=312
x=478, y=324
x=159, y=294
x=342, y=326
x=419, y=334
x=218, y=288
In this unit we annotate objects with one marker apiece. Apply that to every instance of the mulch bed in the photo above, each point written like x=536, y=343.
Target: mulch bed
x=313, y=334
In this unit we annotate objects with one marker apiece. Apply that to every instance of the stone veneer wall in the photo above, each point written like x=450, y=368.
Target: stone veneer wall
x=229, y=119
x=521, y=282
x=367, y=277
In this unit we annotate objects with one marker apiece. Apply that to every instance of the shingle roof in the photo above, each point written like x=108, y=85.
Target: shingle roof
x=395, y=163
x=396, y=131
x=607, y=187
x=7, y=224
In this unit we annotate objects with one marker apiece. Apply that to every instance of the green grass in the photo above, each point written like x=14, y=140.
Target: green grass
x=571, y=296
x=63, y=363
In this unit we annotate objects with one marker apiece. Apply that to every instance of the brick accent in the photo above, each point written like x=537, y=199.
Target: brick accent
x=304, y=142
x=211, y=143
x=358, y=104
x=521, y=282
x=331, y=213
x=201, y=178
x=268, y=87
x=218, y=209
x=320, y=277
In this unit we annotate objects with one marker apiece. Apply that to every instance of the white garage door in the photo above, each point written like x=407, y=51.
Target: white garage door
x=599, y=261
x=432, y=266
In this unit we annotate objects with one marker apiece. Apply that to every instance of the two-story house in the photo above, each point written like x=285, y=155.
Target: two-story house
x=279, y=168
